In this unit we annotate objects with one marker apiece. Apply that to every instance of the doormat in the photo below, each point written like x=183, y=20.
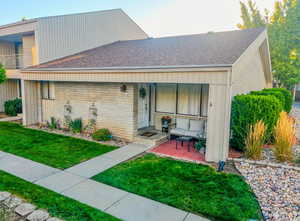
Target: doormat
x=148, y=134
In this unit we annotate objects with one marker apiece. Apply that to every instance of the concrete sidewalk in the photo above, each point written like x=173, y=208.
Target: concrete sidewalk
x=75, y=183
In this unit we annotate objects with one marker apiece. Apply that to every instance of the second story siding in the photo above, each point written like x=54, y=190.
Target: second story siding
x=60, y=36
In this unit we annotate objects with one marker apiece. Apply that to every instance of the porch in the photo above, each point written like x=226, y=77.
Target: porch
x=131, y=107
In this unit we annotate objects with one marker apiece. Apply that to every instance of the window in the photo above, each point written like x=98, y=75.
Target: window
x=166, y=98
x=189, y=98
x=185, y=99
x=47, y=89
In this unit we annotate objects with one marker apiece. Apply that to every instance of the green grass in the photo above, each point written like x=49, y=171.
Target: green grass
x=51, y=149
x=191, y=187
x=56, y=204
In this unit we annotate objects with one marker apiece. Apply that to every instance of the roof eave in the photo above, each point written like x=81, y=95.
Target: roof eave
x=223, y=67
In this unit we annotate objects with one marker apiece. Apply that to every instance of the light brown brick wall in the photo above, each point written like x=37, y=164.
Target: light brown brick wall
x=116, y=109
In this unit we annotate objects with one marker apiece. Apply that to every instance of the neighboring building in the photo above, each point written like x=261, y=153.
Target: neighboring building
x=39, y=40
x=132, y=84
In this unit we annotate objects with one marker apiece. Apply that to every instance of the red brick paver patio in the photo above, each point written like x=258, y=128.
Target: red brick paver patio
x=169, y=149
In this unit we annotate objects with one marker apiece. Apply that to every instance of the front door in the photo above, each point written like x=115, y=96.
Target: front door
x=143, y=105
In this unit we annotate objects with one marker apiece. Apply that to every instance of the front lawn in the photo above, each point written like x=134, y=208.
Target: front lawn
x=51, y=149
x=56, y=204
x=191, y=187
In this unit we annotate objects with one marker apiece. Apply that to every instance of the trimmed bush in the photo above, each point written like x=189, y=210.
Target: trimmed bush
x=13, y=107
x=276, y=94
x=102, y=135
x=287, y=95
x=247, y=110
x=76, y=125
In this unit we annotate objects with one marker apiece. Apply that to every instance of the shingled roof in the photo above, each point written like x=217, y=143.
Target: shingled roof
x=210, y=49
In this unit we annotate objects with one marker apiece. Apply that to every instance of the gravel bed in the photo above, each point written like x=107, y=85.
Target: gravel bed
x=277, y=190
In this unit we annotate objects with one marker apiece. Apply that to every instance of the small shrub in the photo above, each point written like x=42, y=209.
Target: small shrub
x=76, y=125
x=284, y=134
x=246, y=111
x=276, y=94
x=2, y=74
x=287, y=95
x=53, y=124
x=13, y=107
x=255, y=140
x=102, y=135
x=201, y=144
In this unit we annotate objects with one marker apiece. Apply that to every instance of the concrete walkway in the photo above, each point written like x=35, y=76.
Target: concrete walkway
x=75, y=183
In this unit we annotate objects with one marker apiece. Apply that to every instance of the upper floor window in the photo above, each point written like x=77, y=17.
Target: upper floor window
x=48, y=90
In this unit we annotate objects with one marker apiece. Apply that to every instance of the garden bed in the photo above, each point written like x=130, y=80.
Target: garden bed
x=56, y=204
x=47, y=148
x=191, y=187
x=113, y=142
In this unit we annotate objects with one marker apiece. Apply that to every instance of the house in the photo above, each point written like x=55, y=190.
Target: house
x=132, y=84
x=34, y=41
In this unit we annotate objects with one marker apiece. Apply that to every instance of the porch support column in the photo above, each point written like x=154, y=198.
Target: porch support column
x=31, y=102
x=218, y=125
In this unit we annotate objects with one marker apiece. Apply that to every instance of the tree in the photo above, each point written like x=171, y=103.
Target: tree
x=284, y=36
x=2, y=74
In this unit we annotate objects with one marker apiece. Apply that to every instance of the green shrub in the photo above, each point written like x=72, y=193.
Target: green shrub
x=276, y=94
x=102, y=135
x=2, y=74
x=76, y=125
x=247, y=110
x=200, y=144
x=287, y=95
x=53, y=124
x=13, y=107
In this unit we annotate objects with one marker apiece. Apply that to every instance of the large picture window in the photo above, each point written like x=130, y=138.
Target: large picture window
x=185, y=99
x=47, y=89
x=166, y=98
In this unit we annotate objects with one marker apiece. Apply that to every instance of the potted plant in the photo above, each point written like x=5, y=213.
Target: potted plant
x=166, y=120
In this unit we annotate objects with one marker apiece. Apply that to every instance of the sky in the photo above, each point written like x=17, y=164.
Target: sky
x=157, y=17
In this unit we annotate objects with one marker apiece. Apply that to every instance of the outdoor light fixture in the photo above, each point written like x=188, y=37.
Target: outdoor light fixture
x=123, y=88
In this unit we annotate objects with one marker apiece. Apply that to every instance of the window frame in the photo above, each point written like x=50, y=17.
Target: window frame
x=48, y=97
x=177, y=103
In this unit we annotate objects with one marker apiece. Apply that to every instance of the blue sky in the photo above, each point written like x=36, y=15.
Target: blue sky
x=156, y=17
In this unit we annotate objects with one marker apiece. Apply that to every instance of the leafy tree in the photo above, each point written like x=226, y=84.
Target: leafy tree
x=284, y=36
x=2, y=74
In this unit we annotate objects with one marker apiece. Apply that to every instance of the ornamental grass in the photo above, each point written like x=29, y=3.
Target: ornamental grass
x=284, y=135
x=255, y=140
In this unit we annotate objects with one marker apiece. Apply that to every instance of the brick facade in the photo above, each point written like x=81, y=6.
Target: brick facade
x=116, y=110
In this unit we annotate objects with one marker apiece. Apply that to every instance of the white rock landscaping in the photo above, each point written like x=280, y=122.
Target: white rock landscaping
x=277, y=190
x=20, y=210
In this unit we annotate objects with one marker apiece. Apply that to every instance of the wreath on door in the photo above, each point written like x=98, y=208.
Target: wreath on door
x=143, y=92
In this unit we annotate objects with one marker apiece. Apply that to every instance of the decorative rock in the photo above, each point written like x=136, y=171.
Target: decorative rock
x=38, y=215
x=12, y=202
x=4, y=195
x=277, y=190
x=24, y=209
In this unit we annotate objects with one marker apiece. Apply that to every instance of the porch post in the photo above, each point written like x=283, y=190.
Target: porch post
x=30, y=102
x=218, y=125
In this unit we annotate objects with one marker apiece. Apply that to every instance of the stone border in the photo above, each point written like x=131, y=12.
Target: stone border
x=264, y=163
x=23, y=210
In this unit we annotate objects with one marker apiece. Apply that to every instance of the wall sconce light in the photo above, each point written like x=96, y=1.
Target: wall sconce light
x=123, y=88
